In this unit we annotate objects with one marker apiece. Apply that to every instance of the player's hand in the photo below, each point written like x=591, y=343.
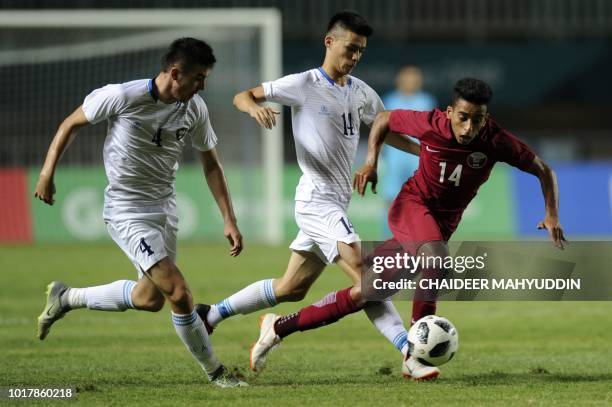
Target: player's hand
x=45, y=189
x=265, y=116
x=364, y=175
x=234, y=237
x=554, y=230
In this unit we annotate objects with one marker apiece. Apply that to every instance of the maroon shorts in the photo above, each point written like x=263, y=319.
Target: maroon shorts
x=413, y=223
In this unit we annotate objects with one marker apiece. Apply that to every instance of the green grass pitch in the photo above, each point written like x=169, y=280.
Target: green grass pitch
x=511, y=353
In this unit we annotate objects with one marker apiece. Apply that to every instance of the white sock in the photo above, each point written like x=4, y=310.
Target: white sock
x=388, y=321
x=191, y=330
x=116, y=296
x=257, y=296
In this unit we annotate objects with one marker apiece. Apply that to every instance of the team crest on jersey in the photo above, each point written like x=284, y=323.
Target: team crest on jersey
x=477, y=160
x=324, y=110
x=180, y=133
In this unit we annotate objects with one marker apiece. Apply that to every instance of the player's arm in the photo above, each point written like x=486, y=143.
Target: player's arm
x=45, y=188
x=215, y=178
x=550, y=190
x=403, y=142
x=367, y=173
x=249, y=102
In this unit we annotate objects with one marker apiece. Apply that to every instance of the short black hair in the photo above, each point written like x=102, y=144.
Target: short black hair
x=188, y=52
x=472, y=90
x=351, y=21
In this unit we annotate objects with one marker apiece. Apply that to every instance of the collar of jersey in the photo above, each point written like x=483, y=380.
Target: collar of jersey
x=330, y=80
x=153, y=91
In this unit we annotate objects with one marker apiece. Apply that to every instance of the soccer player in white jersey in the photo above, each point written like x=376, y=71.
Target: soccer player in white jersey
x=149, y=122
x=327, y=106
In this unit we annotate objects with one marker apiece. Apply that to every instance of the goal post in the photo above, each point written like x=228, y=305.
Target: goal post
x=257, y=44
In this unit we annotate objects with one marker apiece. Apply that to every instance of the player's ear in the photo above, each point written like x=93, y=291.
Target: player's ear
x=449, y=111
x=328, y=41
x=174, y=72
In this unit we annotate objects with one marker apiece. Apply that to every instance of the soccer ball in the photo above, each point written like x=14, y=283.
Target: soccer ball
x=433, y=340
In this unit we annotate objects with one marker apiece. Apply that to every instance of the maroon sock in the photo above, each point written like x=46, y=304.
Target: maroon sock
x=327, y=311
x=421, y=309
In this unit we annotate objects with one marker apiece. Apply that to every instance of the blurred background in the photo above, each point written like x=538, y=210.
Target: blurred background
x=548, y=62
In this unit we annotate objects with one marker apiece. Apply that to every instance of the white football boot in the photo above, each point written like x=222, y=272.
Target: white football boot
x=268, y=341
x=54, y=309
x=225, y=379
x=415, y=370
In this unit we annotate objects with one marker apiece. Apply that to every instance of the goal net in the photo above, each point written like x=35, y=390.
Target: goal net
x=50, y=60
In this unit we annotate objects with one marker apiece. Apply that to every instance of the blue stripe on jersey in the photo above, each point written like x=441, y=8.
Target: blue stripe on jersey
x=153, y=91
x=330, y=80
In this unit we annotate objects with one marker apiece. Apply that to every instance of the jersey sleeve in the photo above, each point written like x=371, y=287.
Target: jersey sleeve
x=373, y=106
x=203, y=136
x=511, y=150
x=288, y=90
x=410, y=122
x=103, y=103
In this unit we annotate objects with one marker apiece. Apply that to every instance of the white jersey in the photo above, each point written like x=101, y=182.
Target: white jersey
x=145, y=138
x=326, y=119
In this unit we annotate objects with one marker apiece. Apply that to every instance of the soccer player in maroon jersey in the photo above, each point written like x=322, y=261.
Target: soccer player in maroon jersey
x=459, y=148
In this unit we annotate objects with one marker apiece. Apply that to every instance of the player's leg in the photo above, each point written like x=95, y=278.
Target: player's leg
x=413, y=226
x=338, y=304
x=303, y=269
x=334, y=305
x=119, y=295
x=330, y=309
x=168, y=279
x=424, y=302
x=339, y=243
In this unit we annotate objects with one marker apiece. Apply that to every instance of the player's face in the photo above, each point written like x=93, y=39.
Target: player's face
x=467, y=119
x=187, y=82
x=345, y=49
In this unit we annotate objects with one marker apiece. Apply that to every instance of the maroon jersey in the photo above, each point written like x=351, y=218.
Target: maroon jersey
x=450, y=173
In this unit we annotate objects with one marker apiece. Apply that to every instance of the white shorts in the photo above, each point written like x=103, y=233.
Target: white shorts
x=322, y=226
x=146, y=234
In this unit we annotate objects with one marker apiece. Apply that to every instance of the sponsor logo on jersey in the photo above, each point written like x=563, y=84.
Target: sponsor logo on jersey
x=431, y=150
x=477, y=160
x=324, y=110
x=136, y=125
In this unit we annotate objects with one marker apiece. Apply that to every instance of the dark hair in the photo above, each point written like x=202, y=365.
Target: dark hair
x=188, y=52
x=472, y=90
x=351, y=21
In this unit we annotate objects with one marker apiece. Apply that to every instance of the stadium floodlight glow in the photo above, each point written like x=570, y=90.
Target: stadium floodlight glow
x=165, y=24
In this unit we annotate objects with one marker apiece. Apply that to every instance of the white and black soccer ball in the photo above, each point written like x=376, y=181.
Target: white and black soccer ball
x=433, y=340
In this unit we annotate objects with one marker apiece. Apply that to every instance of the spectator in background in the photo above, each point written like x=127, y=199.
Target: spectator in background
x=397, y=165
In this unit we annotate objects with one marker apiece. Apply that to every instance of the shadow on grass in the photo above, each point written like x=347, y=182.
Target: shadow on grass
x=534, y=375
x=537, y=375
